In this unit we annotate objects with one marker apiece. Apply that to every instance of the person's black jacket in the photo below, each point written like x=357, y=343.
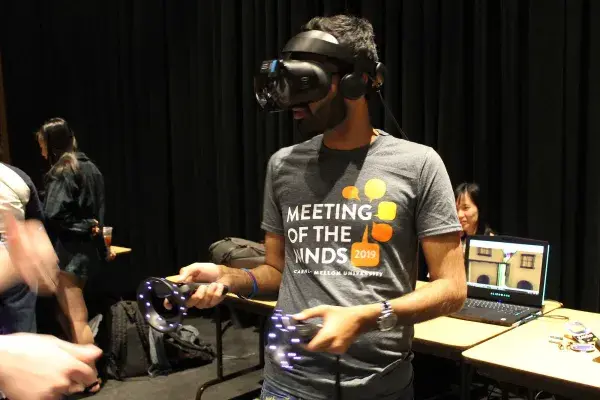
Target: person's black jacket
x=75, y=203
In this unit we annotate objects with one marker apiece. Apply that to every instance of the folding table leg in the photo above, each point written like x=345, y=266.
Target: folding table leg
x=219, y=334
x=466, y=372
x=220, y=377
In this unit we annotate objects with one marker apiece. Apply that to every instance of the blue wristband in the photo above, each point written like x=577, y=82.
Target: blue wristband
x=254, y=284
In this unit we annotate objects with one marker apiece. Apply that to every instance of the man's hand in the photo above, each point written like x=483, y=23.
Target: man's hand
x=31, y=254
x=41, y=367
x=206, y=296
x=341, y=326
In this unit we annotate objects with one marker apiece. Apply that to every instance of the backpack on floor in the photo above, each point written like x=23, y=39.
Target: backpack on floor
x=128, y=353
x=178, y=350
x=135, y=349
x=237, y=253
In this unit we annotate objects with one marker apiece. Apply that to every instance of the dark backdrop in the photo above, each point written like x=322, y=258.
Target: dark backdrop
x=160, y=96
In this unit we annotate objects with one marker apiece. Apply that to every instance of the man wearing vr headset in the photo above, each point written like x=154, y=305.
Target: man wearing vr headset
x=344, y=211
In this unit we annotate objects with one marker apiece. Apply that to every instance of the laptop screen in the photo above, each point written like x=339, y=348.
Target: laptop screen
x=506, y=268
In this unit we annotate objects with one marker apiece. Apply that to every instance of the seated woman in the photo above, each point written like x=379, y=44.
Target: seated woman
x=470, y=214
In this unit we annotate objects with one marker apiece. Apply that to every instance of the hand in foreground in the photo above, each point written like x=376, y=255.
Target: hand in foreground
x=32, y=254
x=206, y=296
x=341, y=326
x=42, y=367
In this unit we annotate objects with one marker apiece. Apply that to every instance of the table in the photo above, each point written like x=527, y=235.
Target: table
x=120, y=250
x=457, y=335
x=525, y=357
x=449, y=337
x=260, y=307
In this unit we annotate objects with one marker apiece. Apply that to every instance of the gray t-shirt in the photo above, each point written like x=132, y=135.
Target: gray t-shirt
x=351, y=222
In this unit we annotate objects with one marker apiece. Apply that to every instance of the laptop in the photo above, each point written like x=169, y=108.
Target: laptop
x=506, y=279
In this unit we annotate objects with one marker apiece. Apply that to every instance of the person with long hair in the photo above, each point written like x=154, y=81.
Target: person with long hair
x=470, y=213
x=74, y=210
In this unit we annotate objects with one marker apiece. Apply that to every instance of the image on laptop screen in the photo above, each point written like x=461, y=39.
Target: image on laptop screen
x=497, y=265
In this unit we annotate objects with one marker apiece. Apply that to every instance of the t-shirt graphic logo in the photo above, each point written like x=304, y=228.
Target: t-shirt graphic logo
x=365, y=253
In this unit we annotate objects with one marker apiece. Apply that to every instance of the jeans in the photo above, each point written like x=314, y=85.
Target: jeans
x=271, y=392
x=17, y=310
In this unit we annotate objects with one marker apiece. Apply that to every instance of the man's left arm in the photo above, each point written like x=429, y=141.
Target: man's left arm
x=444, y=295
x=438, y=229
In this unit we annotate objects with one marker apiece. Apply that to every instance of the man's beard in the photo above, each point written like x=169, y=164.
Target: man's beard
x=327, y=116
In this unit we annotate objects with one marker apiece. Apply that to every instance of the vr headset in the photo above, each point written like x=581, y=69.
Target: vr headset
x=304, y=71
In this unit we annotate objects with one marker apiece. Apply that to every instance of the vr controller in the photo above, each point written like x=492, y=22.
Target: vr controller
x=151, y=296
x=306, y=330
x=287, y=334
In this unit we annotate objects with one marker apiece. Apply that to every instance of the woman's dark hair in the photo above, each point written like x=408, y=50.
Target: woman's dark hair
x=61, y=146
x=472, y=189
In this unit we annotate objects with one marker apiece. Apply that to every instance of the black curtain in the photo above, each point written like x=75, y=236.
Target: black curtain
x=160, y=95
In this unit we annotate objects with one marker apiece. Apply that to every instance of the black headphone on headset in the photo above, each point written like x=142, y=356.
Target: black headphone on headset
x=353, y=85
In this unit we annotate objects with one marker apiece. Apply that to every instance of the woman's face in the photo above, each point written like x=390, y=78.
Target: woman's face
x=43, y=147
x=468, y=214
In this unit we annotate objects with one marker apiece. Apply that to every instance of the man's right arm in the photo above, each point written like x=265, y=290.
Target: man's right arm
x=268, y=275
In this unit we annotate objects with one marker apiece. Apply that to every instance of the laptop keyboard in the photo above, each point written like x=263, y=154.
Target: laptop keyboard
x=511, y=309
